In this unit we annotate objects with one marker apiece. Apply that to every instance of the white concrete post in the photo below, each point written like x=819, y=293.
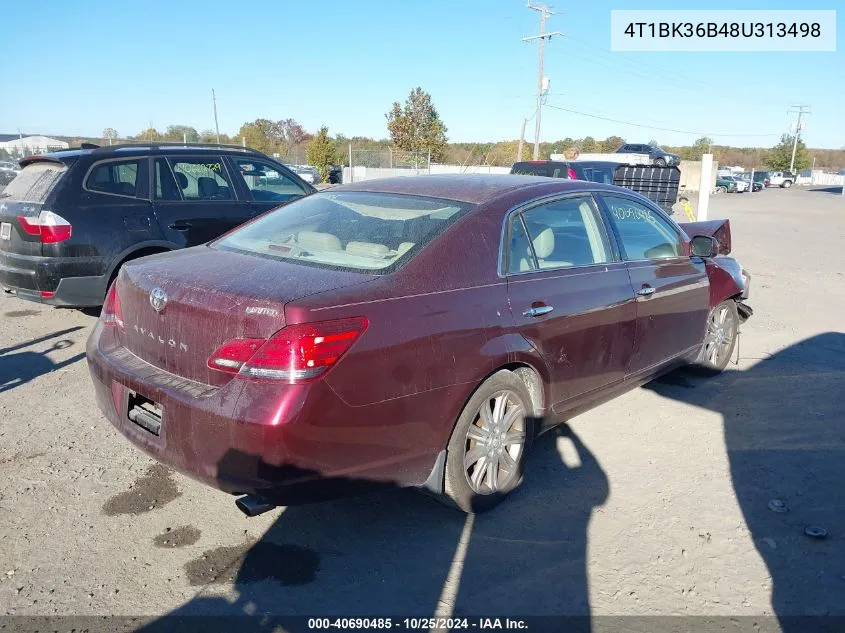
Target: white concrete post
x=704, y=187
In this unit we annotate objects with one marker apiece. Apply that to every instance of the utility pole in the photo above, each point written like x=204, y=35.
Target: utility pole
x=800, y=112
x=521, y=141
x=216, y=127
x=544, y=11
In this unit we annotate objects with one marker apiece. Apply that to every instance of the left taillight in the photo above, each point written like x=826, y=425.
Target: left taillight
x=112, y=314
x=295, y=354
x=49, y=226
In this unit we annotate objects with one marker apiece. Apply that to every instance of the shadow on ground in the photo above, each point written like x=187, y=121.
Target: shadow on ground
x=784, y=425
x=399, y=552
x=19, y=367
x=836, y=189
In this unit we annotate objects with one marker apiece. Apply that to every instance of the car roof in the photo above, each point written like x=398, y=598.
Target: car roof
x=597, y=163
x=470, y=188
x=141, y=149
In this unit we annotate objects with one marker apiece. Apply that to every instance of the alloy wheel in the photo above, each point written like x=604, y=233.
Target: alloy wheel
x=721, y=330
x=494, y=443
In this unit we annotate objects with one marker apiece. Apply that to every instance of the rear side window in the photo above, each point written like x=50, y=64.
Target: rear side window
x=563, y=233
x=550, y=170
x=348, y=230
x=202, y=178
x=35, y=182
x=118, y=178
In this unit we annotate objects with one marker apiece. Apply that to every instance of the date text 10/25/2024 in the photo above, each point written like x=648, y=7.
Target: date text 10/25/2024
x=417, y=624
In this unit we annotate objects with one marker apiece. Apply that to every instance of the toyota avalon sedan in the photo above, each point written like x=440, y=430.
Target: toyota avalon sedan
x=414, y=332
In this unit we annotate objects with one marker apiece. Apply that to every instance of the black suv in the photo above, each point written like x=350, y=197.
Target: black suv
x=591, y=170
x=658, y=156
x=70, y=219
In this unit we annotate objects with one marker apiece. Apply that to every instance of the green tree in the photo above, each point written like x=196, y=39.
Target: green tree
x=259, y=135
x=780, y=155
x=417, y=127
x=178, y=133
x=150, y=134
x=320, y=152
x=589, y=145
x=611, y=144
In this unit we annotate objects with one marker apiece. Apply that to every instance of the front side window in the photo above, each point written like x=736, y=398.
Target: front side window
x=117, y=178
x=202, y=178
x=266, y=182
x=564, y=233
x=349, y=230
x=644, y=233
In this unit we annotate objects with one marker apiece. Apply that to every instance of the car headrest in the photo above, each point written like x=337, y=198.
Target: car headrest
x=544, y=243
x=207, y=186
x=318, y=241
x=181, y=180
x=367, y=249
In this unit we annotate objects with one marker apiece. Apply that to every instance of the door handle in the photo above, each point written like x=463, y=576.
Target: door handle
x=180, y=226
x=646, y=291
x=538, y=311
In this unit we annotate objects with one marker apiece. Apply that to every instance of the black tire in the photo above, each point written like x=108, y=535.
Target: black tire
x=660, y=162
x=786, y=184
x=489, y=489
x=719, y=338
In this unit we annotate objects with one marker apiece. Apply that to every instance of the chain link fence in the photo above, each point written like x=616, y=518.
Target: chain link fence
x=389, y=159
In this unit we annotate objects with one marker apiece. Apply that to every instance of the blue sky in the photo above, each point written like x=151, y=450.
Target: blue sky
x=82, y=66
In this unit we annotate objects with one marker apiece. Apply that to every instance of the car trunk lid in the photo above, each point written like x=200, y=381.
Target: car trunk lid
x=206, y=297
x=25, y=198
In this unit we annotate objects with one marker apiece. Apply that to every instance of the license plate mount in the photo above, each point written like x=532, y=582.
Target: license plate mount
x=145, y=413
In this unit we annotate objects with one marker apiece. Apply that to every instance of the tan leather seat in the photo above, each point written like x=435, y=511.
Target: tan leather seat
x=544, y=245
x=404, y=247
x=368, y=249
x=318, y=241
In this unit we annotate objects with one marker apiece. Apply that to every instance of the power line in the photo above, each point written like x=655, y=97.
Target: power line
x=544, y=11
x=650, y=127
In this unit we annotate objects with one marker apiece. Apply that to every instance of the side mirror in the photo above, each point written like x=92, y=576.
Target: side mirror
x=704, y=246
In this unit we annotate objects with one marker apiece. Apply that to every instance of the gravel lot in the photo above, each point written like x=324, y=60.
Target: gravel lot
x=657, y=503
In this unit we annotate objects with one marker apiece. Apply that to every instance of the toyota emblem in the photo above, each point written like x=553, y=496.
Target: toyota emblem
x=158, y=299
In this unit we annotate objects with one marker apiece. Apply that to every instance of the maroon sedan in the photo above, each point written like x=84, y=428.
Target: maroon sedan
x=407, y=332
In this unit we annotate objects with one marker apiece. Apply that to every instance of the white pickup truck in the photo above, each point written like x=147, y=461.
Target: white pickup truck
x=781, y=179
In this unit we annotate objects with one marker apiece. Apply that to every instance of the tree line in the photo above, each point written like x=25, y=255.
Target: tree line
x=415, y=127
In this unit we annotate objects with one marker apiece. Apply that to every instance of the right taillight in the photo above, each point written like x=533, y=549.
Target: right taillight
x=112, y=314
x=572, y=174
x=297, y=353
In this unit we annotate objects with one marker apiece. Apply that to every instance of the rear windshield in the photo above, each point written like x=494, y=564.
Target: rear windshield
x=34, y=182
x=552, y=170
x=599, y=174
x=350, y=230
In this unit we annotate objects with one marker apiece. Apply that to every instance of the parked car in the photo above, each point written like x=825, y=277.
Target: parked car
x=657, y=155
x=659, y=184
x=309, y=174
x=335, y=174
x=72, y=218
x=782, y=179
x=8, y=172
x=347, y=340
x=726, y=184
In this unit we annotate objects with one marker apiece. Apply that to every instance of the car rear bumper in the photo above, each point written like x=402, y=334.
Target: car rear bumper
x=58, y=281
x=288, y=443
